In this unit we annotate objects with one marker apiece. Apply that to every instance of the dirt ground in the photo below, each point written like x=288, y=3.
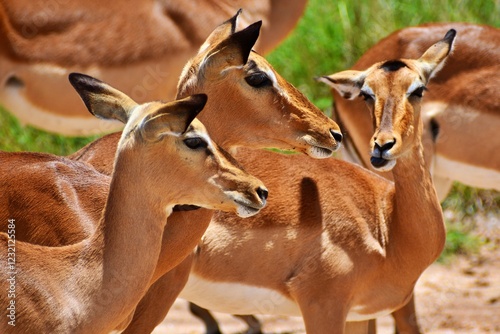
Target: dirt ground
x=462, y=296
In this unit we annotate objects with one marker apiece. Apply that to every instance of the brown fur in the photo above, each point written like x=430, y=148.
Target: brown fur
x=94, y=285
x=336, y=237
x=460, y=96
x=138, y=46
x=298, y=115
x=460, y=99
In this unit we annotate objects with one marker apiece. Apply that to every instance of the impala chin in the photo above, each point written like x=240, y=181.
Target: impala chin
x=316, y=150
x=245, y=211
x=244, y=207
x=382, y=164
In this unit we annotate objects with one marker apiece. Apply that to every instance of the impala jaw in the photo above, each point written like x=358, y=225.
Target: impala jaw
x=317, y=150
x=245, y=207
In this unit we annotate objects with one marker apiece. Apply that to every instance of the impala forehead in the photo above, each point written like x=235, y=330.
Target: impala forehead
x=395, y=84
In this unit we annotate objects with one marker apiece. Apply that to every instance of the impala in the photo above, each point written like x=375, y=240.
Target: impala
x=460, y=101
x=336, y=243
x=460, y=108
x=249, y=104
x=138, y=46
x=164, y=158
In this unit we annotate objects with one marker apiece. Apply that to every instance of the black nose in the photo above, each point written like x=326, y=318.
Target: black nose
x=386, y=147
x=263, y=193
x=336, y=135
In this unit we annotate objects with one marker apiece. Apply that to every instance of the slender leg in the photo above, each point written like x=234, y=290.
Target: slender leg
x=372, y=326
x=406, y=319
x=254, y=325
x=211, y=325
x=358, y=327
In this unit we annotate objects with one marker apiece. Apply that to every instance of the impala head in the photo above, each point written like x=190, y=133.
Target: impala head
x=171, y=150
x=254, y=106
x=393, y=92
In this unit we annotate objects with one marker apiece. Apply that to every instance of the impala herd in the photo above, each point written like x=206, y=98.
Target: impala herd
x=107, y=238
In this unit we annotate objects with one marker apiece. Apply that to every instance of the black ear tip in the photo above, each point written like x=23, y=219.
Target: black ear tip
x=200, y=99
x=77, y=79
x=83, y=81
x=257, y=25
x=450, y=35
x=252, y=31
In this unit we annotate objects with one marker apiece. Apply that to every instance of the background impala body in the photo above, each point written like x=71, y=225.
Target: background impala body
x=138, y=46
x=93, y=286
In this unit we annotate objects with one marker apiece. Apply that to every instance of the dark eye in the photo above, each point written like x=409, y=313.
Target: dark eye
x=418, y=92
x=258, y=80
x=195, y=143
x=366, y=96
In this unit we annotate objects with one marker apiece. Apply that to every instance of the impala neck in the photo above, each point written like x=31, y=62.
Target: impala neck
x=417, y=230
x=128, y=241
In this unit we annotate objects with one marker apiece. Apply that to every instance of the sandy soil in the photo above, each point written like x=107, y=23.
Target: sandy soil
x=462, y=296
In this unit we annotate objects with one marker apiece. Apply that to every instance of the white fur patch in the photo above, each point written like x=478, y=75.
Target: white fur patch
x=237, y=298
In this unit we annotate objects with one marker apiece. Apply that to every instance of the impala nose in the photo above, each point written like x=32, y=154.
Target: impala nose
x=262, y=193
x=380, y=150
x=336, y=135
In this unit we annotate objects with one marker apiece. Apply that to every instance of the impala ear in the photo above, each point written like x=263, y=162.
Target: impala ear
x=434, y=58
x=101, y=99
x=222, y=32
x=173, y=117
x=232, y=51
x=347, y=83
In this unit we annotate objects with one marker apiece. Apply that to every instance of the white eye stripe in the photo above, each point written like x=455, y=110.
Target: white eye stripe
x=414, y=85
x=367, y=90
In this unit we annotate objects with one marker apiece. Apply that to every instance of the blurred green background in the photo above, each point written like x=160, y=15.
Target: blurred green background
x=330, y=37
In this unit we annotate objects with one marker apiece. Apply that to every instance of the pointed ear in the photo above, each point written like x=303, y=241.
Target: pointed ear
x=347, y=83
x=433, y=59
x=234, y=50
x=102, y=100
x=222, y=32
x=172, y=118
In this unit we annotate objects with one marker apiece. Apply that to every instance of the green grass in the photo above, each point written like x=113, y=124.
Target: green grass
x=330, y=37
x=460, y=240
x=16, y=137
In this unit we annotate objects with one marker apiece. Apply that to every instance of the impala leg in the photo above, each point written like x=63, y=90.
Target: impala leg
x=406, y=319
x=358, y=327
x=158, y=300
x=372, y=326
x=254, y=325
x=322, y=316
x=211, y=325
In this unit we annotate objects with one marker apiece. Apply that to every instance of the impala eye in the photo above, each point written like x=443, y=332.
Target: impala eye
x=258, y=80
x=195, y=143
x=418, y=92
x=366, y=96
